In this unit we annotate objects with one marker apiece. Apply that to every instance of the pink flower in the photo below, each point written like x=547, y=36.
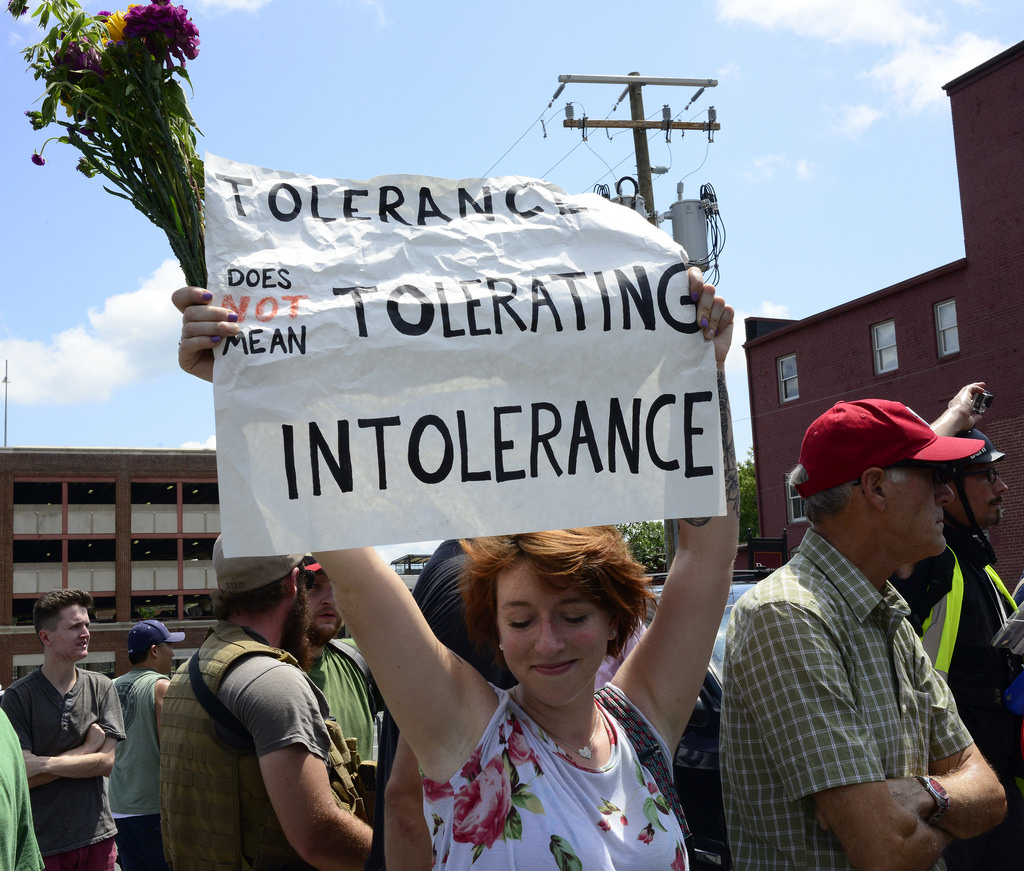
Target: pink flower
x=518, y=750
x=679, y=864
x=482, y=807
x=434, y=791
x=623, y=820
x=604, y=825
x=472, y=767
x=646, y=834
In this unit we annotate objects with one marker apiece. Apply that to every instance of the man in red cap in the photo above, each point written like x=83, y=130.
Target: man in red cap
x=841, y=746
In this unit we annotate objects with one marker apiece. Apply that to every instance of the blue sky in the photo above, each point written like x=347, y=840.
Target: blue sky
x=834, y=169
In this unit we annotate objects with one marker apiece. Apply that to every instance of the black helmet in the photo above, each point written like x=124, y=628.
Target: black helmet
x=988, y=454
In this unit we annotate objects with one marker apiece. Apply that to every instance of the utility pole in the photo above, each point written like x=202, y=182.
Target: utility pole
x=6, y=382
x=634, y=82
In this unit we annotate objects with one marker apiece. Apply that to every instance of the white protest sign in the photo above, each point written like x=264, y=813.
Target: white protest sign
x=423, y=358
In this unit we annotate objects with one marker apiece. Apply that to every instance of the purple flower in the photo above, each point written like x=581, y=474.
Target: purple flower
x=38, y=160
x=80, y=58
x=17, y=7
x=165, y=30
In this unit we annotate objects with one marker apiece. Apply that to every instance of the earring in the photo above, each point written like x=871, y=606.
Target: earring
x=501, y=647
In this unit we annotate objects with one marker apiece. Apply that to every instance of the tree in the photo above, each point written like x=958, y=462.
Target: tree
x=748, y=497
x=646, y=541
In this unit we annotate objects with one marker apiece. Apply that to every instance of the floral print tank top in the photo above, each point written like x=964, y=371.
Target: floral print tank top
x=519, y=802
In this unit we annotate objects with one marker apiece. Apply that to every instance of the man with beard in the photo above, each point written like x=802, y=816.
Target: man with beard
x=253, y=772
x=958, y=603
x=338, y=668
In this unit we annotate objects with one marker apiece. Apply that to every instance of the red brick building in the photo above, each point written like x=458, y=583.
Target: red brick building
x=133, y=527
x=918, y=341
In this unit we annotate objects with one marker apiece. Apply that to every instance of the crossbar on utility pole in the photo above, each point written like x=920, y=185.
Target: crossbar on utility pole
x=639, y=124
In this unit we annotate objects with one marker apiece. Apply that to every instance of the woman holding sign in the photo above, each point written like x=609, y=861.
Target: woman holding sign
x=544, y=775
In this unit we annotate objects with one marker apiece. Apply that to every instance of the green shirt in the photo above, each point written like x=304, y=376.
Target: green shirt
x=18, y=848
x=134, y=784
x=825, y=685
x=341, y=681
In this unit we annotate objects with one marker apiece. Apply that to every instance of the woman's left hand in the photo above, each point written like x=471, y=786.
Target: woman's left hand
x=714, y=316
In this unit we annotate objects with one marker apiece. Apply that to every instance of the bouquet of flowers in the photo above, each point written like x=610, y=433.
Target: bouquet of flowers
x=113, y=83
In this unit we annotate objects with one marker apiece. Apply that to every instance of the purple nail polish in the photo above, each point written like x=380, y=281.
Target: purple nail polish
x=704, y=323
x=207, y=296
x=695, y=295
x=215, y=339
x=233, y=317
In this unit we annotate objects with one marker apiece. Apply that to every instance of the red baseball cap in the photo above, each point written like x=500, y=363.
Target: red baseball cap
x=853, y=436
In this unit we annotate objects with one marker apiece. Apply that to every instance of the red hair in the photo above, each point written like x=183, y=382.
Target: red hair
x=595, y=560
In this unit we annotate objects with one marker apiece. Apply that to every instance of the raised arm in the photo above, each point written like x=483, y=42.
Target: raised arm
x=440, y=703
x=663, y=675
x=958, y=415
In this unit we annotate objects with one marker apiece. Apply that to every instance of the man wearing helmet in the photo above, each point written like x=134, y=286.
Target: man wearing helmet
x=958, y=603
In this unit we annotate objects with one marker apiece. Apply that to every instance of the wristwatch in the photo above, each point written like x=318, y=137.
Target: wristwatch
x=936, y=791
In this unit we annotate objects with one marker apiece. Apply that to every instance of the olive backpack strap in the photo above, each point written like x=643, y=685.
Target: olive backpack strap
x=353, y=653
x=647, y=748
x=229, y=728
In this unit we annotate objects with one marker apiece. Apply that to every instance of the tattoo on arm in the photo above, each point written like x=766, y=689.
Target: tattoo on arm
x=731, y=470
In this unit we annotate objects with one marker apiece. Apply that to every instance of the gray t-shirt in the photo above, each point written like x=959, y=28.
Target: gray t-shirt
x=278, y=704
x=69, y=812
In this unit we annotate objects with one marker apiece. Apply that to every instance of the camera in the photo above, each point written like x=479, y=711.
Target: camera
x=981, y=401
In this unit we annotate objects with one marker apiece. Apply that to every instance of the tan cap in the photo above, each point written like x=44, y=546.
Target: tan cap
x=243, y=574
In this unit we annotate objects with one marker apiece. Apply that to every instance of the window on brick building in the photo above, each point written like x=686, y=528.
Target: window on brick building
x=794, y=504
x=946, y=332
x=788, y=387
x=883, y=340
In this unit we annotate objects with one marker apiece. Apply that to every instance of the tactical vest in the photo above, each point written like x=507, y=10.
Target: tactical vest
x=215, y=811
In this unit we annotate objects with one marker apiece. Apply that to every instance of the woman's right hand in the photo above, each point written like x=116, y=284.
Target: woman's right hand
x=203, y=327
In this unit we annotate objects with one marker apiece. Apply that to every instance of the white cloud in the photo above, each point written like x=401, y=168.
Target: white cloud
x=209, y=445
x=916, y=73
x=882, y=22
x=133, y=337
x=854, y=120
x=804, y=170
x=231, y=5
x=763, y=168
x=921, y=55
x=377, y=7
x=770, y=310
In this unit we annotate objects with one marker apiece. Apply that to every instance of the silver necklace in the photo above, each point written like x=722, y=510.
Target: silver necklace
x=584, y=752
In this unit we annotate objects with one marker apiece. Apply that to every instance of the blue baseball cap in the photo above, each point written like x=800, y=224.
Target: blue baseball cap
x=146, y=633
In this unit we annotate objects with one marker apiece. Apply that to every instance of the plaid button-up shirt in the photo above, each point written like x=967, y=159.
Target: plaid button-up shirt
x=825, y=685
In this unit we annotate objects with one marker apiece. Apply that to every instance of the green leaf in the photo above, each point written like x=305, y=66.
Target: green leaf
x=528, y=802
x=652, y=812
x=565, y=857
x=513, y=830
